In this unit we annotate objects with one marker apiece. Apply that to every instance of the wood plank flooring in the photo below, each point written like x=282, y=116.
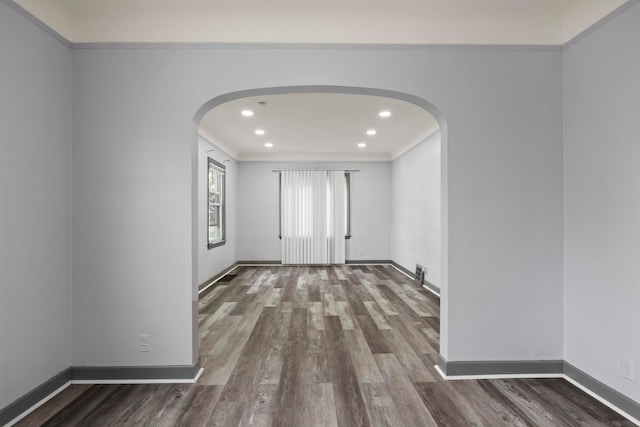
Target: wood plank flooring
x=323, y=346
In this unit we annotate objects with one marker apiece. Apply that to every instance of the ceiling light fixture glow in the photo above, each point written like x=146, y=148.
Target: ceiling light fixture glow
x=268, y=144
x=384, y=113
x=371, y=132
x=259, y=132
x=362, y=145
x=247, y=113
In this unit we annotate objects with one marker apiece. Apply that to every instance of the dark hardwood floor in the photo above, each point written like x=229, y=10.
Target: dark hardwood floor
x=323, y=346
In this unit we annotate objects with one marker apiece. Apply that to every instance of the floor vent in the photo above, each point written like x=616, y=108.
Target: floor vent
x=419, y=274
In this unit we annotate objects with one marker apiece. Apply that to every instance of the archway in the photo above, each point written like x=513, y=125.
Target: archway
x=420, y=102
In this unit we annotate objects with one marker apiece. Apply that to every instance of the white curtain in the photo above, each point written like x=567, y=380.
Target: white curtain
x=312, y=217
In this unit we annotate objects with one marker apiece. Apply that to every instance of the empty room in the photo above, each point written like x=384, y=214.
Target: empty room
x=288, y=214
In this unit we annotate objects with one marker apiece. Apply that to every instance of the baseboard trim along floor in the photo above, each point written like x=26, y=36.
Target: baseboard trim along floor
x=427, y=285
x=135, y=374
x=26, y=404
x=491, y=368
x=605, y=394
x=35, y=398
x=462, y=370
x=210, y=281
x=449, y=370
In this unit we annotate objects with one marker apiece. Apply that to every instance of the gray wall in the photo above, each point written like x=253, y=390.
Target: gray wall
x=132, y=224
x=215, y=260
x=258, y=209
x=35, y=211
x=416, y=208
x=133, y=146
x=602, y=184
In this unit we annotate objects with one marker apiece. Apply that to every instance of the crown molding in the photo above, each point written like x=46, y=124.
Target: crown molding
x=601, y=22
x=37, y=22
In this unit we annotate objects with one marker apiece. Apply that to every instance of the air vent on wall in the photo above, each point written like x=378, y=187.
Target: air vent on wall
x=419, y=274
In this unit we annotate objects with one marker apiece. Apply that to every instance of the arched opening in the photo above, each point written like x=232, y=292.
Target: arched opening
x=419, y=102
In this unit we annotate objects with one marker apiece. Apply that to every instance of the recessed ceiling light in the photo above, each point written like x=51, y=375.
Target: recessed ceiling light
x=371, y=132
x=268, y=144
x=259, y=132
x=362, y=145
x=247, y=113
x=384, y=113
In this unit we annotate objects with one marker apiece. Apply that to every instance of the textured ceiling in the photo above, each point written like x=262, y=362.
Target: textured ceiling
x=546, y=22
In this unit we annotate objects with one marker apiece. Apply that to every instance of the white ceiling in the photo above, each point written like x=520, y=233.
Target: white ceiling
x=317, y=126
x=546, y=22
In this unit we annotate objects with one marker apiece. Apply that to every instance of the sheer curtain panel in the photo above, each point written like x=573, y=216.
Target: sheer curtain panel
x=312, y=217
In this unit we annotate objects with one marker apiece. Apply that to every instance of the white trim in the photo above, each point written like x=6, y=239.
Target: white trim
x=38, y=404
x=350, y=263
x=171, y=381
x=425, y=287
x=563, y=376
x=148, y=381
x=197, y=377
x=38, y=22
x=495, y=376
x=602, y=400
x=599, y=23
x=316, y=157
x=403, y=272
x=266, y=265
x=51, y=395
x=213, y=282
x=317, y=46
x=437, y=368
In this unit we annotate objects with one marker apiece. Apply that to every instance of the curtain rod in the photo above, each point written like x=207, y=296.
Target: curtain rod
x=318, y=170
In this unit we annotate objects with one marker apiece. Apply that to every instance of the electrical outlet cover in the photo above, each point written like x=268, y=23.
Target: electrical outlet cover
x=144, y=342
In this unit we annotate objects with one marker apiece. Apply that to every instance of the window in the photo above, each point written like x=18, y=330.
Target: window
x=314, y=216
x=347, y=204
x=216, y=204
